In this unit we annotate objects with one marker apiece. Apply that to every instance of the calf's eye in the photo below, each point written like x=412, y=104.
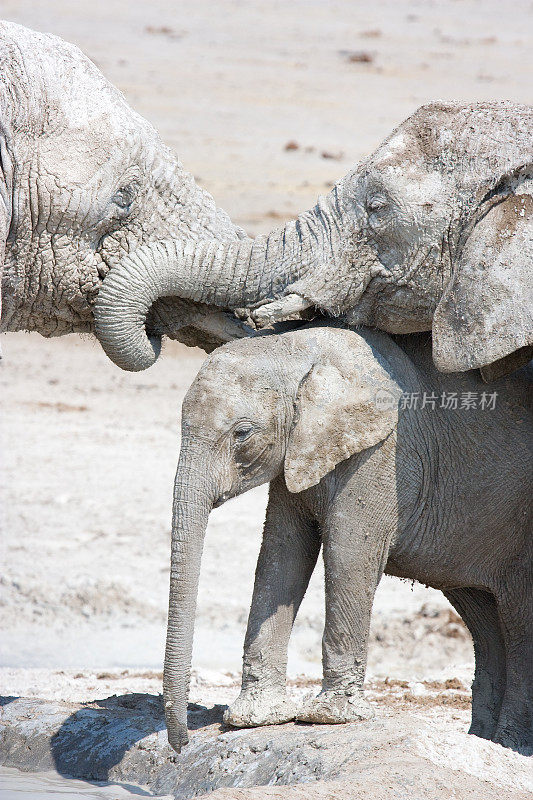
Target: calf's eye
x=377, y=204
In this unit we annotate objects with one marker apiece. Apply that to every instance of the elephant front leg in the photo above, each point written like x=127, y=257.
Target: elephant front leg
x=286, y=561
x=354, y=559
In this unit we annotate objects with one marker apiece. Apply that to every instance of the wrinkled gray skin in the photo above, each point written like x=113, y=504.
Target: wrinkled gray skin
x=433, y=231
x=83, y=182
x=439, y=495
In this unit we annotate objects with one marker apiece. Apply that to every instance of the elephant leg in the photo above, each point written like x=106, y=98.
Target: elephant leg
x=289, y=551
x=355, y=554
x=480, y=614
x=515, y=609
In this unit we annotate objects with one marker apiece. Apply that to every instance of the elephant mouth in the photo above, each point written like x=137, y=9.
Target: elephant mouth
x=225, y=496
x=221, y=499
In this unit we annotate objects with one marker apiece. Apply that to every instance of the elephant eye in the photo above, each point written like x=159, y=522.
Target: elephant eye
x=242, y=431
x=377, y=204
x=124, y=197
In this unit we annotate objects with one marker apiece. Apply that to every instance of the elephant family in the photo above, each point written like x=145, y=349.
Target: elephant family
x=83, y=182
x=437, y=490
x=434, y=231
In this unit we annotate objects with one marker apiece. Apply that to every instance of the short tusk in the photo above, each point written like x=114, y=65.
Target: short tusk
x=224, y=326
x=278, y=310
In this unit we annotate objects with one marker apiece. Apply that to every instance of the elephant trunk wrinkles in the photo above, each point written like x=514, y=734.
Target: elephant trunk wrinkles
x=232, y=274
x=193, y=501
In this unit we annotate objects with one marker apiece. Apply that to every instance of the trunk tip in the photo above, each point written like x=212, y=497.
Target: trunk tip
x=177, y=734
x=129, y=357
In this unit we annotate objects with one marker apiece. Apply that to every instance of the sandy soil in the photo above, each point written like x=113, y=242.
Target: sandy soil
x=87, y=453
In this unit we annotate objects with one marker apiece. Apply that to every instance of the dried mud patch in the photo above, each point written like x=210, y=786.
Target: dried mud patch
x=426, y=693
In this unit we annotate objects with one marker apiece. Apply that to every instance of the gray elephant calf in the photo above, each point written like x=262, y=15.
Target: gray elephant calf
x=440, y=493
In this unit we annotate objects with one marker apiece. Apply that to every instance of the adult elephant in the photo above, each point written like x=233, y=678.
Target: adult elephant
x=83, y=182
x=433, y=231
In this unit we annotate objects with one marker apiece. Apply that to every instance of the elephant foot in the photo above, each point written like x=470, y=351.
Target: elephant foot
x=484, y=720
x=519, y=740
x=331, y=707
x=252, y=709
x=481, y=730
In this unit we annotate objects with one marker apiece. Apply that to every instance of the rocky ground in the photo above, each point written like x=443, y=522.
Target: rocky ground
x=267, y=104
x=122, y=739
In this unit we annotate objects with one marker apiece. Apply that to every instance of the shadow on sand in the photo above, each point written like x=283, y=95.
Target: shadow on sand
x=96, y=737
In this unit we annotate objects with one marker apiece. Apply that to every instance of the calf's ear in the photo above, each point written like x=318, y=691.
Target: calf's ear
x=346, y=403
x=486, y=312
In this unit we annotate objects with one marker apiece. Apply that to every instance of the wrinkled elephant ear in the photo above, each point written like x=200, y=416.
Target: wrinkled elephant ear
x=346, y=403
x=486, y=312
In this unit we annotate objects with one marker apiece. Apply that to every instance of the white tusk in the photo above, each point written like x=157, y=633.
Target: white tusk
x=276, y=311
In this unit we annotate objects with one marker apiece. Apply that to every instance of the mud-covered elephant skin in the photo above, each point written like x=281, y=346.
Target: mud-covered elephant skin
x=84, y=181
x=385, y=463
x=433, y=231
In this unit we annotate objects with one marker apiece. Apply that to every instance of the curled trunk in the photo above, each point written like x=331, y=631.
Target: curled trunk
x=228, y=275
x=192, y=504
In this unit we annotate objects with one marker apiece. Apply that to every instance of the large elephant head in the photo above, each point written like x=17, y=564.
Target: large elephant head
x=433, y=231
x=83, y=182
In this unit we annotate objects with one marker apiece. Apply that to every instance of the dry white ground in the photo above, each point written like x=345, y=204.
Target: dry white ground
x=87, y=453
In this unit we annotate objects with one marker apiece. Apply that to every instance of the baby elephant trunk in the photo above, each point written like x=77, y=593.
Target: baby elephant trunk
x=192, y=503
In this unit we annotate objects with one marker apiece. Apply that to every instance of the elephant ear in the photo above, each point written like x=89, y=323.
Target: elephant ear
x=486, y=312
x=346, y=403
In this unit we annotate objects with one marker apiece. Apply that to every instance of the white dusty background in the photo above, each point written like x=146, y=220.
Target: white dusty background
x=88, y=453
